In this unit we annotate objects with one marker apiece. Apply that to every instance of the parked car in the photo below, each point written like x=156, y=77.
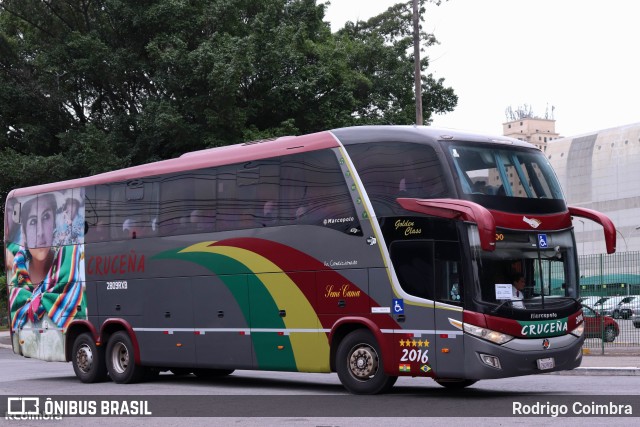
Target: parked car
x=607, y=306
x=598, y=303
x=589, y=300
x=599, y=326
x=627, y=307
x=635, y=319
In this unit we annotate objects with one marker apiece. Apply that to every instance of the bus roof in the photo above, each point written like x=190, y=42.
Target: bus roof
x=256, y=150
x=412, y=133
x=211, y=157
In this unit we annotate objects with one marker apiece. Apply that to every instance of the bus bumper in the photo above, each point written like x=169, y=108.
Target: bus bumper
x=521, y=356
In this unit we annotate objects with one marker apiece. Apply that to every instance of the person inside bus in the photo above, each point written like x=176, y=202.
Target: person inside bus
x=409, y=187
x=130, y=229
x=517, y=291
x=269, y=216
x=202, y=220
x=455, y=288
x=480, y=187
x=311, y=209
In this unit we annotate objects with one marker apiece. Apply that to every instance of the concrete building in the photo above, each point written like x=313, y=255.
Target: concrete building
x=601, y=170
x=534, y=130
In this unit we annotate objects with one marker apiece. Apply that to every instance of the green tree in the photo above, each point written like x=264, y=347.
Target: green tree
x=88, y=86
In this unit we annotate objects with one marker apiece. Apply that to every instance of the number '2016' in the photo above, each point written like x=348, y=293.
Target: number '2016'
x=414, y=355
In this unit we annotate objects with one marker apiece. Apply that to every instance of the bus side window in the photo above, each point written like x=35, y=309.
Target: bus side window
x=237, y=204
x=413, y=263
x=188, y=203
x=202, y=220
x=449, y=284
x=313, y=191
x=134, y=206
x=392, y=169
x=267, y=192
x=97, y=213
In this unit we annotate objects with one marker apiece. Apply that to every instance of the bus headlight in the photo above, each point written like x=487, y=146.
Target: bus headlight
x=487, y=334
x=578, y=331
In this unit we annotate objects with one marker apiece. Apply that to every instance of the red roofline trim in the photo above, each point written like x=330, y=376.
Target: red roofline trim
x=211, y=157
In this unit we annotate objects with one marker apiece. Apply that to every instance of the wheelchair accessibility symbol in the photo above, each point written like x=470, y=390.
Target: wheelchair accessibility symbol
x=398, y=306
x=542, y=241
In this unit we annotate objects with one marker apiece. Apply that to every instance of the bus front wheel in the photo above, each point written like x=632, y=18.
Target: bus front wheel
x=120, y=360
x=360, y=366
x=88, y=359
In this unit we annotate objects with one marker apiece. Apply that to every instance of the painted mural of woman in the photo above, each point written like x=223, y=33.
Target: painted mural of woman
x=46, y=281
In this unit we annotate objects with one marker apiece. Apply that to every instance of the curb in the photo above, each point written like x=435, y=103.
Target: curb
x=610, y=371
x=6, y=334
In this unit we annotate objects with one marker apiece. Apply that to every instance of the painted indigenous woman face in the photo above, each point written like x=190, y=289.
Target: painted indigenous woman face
x=39, y=227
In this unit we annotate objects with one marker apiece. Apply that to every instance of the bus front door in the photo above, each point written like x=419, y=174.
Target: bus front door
x=448, y=294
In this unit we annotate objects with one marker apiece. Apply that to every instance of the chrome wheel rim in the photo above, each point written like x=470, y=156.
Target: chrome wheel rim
x=363, y=362
x=84, y=358
x=610, y=335
x=120, y=358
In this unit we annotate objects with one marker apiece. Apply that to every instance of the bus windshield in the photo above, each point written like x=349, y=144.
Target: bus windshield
x=547, y=273
x=511, y=172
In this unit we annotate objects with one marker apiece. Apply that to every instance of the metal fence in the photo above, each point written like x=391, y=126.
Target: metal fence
x=617, y=277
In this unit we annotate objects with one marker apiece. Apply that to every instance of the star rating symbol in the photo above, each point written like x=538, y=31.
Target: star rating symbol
x=414, y=343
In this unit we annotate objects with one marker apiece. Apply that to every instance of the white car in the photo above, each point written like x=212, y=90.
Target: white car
x=627, y=307
x=607, y=306
x=589, y=301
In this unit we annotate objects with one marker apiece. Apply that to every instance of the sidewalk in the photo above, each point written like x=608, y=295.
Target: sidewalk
x=616, y=361
x=5, y=339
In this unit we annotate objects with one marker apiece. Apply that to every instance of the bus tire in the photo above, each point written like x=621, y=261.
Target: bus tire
x=121, y=360
x=455, y=384
x=360, y=366
x=88, y=359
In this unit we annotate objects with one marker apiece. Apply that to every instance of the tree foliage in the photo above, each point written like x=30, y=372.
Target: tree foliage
x=88, y=86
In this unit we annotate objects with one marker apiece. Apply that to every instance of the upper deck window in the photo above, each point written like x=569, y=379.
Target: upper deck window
x=390, y=170
x=501, y=171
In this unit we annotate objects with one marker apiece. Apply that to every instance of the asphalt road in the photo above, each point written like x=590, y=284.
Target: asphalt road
x=249, y=398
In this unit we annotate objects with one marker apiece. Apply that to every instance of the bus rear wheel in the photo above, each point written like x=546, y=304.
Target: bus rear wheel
x=455, y=383
x=360, y=366
x=120, y=360
x=88, y=359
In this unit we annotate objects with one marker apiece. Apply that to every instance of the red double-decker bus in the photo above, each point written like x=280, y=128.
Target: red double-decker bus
x=373, y=252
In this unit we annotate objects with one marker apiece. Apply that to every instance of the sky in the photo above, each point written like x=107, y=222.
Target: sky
x=577, y=59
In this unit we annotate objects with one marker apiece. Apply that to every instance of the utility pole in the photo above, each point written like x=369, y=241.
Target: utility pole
x=417, y=70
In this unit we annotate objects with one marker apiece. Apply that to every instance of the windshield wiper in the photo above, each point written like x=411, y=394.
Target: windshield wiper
x=495, y=310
